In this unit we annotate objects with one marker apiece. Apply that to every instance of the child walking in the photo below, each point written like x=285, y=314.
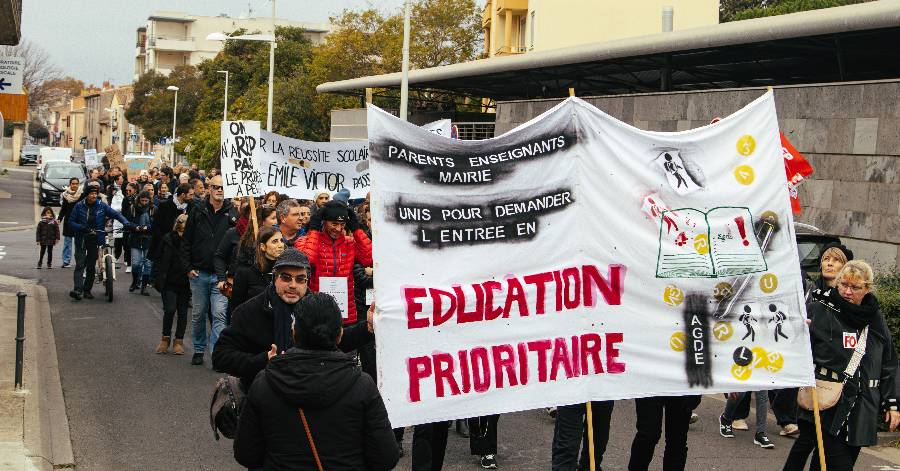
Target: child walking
x=47, y=235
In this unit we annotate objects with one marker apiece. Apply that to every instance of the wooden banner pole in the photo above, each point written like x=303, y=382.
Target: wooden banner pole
x=253, y=216
x=815, y=398
x=590, y=428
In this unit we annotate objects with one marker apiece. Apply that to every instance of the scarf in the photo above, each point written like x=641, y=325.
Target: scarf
x=241, y=225
x=72, y=196
x=281, y=318
x=179, y=205
x=855, y=316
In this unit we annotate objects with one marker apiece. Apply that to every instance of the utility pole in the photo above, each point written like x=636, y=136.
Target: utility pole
x=271, y=71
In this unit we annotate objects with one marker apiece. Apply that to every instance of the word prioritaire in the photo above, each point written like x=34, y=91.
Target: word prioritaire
x=570, y=288
x=507, y=364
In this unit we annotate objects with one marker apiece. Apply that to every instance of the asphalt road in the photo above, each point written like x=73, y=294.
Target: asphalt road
x=130, y=409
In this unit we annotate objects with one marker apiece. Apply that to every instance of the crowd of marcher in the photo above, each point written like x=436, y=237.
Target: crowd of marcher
x=306, y=361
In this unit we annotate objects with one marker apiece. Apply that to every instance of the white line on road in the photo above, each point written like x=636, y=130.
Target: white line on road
x=8, y=222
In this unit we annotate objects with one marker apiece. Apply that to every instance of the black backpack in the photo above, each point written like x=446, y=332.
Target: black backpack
x=225, y=406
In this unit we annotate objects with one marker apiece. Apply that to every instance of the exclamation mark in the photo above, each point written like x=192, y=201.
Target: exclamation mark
x=740, y=225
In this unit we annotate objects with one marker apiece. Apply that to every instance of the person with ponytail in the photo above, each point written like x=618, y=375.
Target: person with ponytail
x=252, y=279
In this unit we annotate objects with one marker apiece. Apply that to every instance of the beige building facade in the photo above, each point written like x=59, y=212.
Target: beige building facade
x=520, y=26
x=170, y=39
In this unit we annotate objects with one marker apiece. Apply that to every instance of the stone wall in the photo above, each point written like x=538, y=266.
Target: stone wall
x=849, y=132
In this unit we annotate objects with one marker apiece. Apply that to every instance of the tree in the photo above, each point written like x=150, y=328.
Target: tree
x=735, y=10
x=39, y=70
x=38, y=130
x=152, y=106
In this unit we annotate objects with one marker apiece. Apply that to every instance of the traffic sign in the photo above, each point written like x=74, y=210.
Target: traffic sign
x=11, y=71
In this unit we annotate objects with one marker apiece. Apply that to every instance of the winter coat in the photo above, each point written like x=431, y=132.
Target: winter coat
x=224, y=259
x=361, y=283
x=171, y=269
x=204, y=231
x=141, y=216
x=862, y=402
x=335, y=258
x=97, y=213
x=65, y=210
x=242, y=346
x=345, y=413
x=47, y=232
x=248, y=282
x=163, y=221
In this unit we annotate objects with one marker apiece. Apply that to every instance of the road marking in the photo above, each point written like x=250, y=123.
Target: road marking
x=8, y=222
x=2, y=251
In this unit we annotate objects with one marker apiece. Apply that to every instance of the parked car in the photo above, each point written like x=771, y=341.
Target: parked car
x=810, y=242
x=52, y=154
x=29, y=154
x=55, y=178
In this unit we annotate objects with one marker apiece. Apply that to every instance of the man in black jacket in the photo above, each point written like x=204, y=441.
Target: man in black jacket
x=242, y=347
x=68, y=199
x=342, y=415
x=206, y=225
x=165, y=216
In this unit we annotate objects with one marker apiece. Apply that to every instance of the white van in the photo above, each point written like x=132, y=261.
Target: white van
x=52, y=154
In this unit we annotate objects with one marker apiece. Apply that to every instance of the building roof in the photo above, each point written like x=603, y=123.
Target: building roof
x=855, y=42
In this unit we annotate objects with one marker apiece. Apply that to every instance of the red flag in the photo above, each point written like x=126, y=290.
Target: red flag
x=797, y=169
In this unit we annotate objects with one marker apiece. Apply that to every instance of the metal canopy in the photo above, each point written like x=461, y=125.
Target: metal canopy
x=851, y=43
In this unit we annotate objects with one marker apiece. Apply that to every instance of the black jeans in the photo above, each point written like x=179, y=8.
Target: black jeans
x=839, y=456
x=571, y=430
x=483, y=435
x=784, y=405
x=85, y=265
x=429, y=446
x=369, y=363
x=175, y=302
x=48, y=249
x=649, y=424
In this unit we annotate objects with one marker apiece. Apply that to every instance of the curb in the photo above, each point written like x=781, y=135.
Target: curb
x=46, y=426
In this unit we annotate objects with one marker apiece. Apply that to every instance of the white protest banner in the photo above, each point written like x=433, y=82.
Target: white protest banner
x=90, y=158
x=441, y=127
x=564, y=262
x=298, y=168
x=240, y=158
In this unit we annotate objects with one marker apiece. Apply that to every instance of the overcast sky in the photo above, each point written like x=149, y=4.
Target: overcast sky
x=93, y=40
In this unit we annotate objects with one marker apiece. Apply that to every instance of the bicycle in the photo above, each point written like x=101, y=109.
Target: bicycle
x=106, y=266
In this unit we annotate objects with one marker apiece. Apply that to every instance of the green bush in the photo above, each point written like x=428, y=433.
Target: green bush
x=887, y=289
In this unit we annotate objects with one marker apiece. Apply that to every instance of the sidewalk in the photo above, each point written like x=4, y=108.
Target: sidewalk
x=34, y=429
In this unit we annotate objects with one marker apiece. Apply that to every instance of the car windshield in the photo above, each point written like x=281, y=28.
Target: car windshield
x=64, y=171
x=30, y=149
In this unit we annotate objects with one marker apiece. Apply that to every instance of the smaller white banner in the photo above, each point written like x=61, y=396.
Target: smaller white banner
x=240, y=158
x=11, y=72
x=337, y=287
x=90, y=158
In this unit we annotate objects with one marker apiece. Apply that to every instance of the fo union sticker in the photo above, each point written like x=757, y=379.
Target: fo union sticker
x=849, y=340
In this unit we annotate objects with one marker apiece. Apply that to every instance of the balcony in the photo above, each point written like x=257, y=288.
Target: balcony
x=173, y=43
x=510, y=50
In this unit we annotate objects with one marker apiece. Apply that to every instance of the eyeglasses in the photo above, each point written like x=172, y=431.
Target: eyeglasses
x=287, y=278
x=215, y=187
x=852, y=288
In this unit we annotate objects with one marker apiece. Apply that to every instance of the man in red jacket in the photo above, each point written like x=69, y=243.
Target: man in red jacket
x=332, y=253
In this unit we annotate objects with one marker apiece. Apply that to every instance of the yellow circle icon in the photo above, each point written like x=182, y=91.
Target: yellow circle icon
x=744, y=174
x=768, y=283
x=775, y=362
x=741, y=373
x=722, y=331
x=760, y=357
x=701, y=244
x=676, y=341
x=746, y=145
x=723, y=290
x=673, y=295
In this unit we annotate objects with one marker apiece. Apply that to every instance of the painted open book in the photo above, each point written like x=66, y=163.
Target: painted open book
x=712, y=244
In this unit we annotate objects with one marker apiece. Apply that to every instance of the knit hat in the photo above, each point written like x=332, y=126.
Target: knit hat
x=291, y=257
x=342, y=196
x=319, y=192
x=843, y=248
x=334, y=211
x=91, y=187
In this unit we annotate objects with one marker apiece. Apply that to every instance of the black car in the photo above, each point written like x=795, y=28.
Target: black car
x=810, y=243
x=55, y=178
x=29, y=154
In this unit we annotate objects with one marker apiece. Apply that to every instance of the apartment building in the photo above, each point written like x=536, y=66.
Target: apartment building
x=170, y=39
x=520, y=26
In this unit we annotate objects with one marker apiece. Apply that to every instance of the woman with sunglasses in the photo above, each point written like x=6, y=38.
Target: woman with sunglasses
x=842, y=318
x=252, y=279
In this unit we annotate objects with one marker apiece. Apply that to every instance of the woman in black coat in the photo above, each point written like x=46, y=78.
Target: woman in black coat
x=172, y=282
x=315, y=393
x=251, y=279
x=839, y=316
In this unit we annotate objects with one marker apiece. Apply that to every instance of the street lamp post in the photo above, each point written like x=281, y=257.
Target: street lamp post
x=270, y=38
x=225, y=109
x=404, y=77
x=174, y=117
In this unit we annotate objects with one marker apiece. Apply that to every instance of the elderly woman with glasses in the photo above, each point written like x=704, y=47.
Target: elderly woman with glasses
x=262, y=325
x=843, y=319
